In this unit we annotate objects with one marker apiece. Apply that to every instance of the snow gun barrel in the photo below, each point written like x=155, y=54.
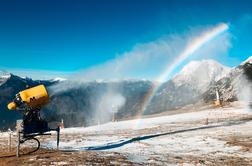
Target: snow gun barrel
x=30, y=99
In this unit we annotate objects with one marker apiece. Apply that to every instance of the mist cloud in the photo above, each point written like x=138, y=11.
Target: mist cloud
x=144, y=61
x=109, y=104
x=148, y=60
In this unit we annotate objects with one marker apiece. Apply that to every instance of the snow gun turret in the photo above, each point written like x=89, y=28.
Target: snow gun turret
x=30, y=99
x=30, y=102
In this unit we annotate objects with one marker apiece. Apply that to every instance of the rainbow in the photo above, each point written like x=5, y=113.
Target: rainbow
x=191, y=48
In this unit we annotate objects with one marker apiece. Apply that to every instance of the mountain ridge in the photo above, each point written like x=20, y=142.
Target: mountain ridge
x=78, y=105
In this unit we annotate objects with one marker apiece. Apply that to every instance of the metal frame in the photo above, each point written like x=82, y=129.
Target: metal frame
x=25, y=137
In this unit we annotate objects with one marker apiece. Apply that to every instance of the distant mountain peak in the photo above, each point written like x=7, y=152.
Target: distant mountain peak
x=248, y=60
x=200, y=74
x=5, y=74
x=59, y=79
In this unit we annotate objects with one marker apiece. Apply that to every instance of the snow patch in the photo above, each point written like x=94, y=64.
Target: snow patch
x=59, y=79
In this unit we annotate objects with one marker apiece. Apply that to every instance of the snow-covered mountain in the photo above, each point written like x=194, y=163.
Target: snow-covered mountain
x=4, y=76
x=187, y=86
x=199, y=74
x=236, y=85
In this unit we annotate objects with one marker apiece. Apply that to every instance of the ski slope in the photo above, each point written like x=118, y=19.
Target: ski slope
x=203, y=134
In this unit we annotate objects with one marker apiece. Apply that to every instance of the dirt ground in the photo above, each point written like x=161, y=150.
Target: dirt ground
x=53, y=157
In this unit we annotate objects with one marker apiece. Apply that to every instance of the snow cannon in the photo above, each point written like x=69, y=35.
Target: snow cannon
x=30, y=102
x=30, y=99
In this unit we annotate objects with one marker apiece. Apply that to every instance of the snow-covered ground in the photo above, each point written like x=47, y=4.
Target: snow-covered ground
x=146, y=123
x=220, y=136
x=204, y=134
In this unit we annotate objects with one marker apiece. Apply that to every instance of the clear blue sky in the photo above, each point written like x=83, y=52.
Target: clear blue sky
x=69, y=35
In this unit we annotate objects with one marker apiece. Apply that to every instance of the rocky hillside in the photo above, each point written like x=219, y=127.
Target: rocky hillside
x=236, y=85
x=94, y=102
x=81, y=105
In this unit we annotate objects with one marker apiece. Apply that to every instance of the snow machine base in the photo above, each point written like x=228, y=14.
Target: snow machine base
x=27, y=133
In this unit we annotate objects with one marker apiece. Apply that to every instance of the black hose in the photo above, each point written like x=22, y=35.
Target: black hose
x=37, y=148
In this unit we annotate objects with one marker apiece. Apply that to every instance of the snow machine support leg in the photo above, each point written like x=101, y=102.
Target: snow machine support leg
x=22, y=138
x=58, y=137
x=18, y=144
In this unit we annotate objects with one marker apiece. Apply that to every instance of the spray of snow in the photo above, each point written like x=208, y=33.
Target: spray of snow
x=105, y=102
x=63, y=86
x=107, y=107
x=145, y=60
x=244, y=92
